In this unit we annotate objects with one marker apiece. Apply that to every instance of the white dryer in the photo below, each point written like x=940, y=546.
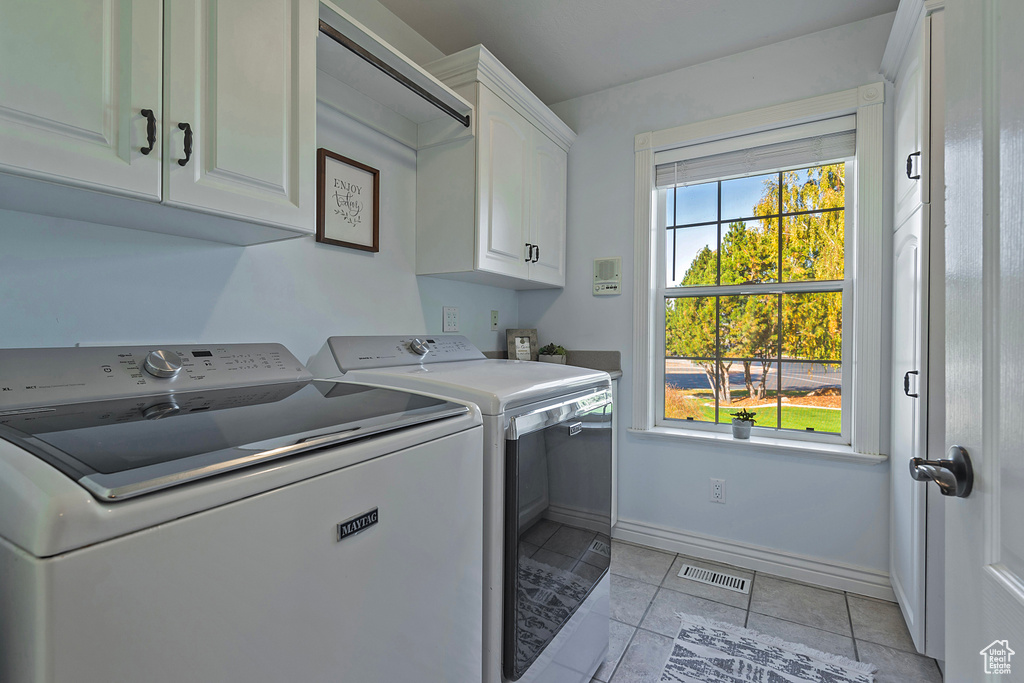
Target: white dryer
x=547, y=496
x=211, y=513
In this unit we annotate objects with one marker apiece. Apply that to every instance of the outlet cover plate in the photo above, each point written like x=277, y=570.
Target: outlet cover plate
x=451, y=319
x=494, y=321
x=718, y=491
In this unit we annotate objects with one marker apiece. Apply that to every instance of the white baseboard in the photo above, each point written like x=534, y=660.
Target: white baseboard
x=813, y=570
x=578, y=517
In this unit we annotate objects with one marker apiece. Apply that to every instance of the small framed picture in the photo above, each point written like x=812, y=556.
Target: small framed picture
x=522, y=344
x=347, y=202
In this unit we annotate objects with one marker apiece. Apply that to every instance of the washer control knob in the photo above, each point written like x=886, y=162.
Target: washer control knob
x=419, y=347
x=162, y=363
x=160, y=410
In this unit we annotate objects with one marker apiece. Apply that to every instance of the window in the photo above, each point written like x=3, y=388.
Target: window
x=759, y=273
x=753, y=293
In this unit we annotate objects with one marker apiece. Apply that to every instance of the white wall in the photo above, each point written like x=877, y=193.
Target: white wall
x=63, y=282
x=836, y=512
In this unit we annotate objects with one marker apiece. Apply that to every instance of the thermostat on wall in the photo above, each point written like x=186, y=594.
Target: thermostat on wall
x=607, y=276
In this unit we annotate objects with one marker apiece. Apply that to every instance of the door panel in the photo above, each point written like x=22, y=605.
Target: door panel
x=909, y=135
x=74, y=81
x=908, y=517
x=240, y=74
x=547, y=210
x=985, y=335
x=503, y=186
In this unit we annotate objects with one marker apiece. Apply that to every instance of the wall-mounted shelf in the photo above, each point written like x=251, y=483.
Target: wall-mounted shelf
x=365, y=78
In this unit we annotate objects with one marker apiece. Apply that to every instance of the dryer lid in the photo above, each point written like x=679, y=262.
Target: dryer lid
x=126, y=447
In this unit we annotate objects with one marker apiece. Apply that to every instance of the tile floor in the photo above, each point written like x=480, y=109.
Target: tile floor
x=646, y=594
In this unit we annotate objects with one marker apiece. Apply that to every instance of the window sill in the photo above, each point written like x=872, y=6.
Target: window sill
x=763, y=444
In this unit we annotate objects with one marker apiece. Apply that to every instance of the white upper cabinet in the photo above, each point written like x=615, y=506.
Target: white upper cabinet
x=190, y=117
x=504, y=152
x=74, y=83
x=240, y=74
x=492, y=210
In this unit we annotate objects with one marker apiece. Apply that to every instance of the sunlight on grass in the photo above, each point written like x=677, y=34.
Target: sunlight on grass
x=699, y=405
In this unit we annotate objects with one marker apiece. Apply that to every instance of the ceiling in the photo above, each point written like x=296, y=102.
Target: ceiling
x=566, y=48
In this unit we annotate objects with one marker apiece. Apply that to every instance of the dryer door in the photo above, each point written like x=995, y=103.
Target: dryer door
x=557, y=520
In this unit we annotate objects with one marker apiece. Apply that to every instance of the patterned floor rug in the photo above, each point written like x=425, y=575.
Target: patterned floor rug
x=707, y=651
x=546, y=597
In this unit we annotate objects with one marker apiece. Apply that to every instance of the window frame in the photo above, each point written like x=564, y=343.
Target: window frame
x=846, y=288
x=865, y=270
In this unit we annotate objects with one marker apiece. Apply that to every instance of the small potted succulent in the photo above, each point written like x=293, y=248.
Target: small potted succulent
x=551, y=353
x=742, y=421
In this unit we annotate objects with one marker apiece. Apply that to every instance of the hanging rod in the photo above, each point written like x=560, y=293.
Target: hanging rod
x=347, y=42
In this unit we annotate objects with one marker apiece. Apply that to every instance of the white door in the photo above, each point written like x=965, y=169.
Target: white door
x=908, y=516
x=503, y=186
x=75, y=79
x=985, y=335
x=241, y=75
x=547, y=211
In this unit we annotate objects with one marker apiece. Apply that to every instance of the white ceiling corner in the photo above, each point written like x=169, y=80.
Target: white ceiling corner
x=562, y=49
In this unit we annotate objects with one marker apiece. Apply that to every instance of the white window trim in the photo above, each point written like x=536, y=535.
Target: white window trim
x=867, y=253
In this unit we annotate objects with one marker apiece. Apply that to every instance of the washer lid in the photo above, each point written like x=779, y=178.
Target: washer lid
x=122, y=448
x=494, y=385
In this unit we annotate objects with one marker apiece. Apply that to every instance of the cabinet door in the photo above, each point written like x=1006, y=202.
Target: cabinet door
x=908, y=520
x=241, y=74
x=547, y=211
x=910, y=137
x=503, y=184
x=74, y=80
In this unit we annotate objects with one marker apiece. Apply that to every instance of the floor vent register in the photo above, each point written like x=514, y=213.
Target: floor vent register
x=713, y=578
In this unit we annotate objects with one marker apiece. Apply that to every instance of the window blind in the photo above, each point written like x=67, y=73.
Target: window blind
x=809, y=145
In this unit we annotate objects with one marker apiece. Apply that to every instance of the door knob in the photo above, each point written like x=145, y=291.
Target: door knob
x=954, y=476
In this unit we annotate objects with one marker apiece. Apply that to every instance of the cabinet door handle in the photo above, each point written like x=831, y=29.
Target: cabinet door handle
x=906, y=383
x=150, y=130
x=529, y=252
x=188, y=143
x=536, y=254
x=910, y=166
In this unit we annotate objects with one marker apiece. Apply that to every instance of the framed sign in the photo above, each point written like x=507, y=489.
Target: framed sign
x=347, y=202
x=522, y=344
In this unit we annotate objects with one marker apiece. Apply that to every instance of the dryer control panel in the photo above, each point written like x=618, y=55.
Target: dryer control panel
x=33, y=378
x=341, y=354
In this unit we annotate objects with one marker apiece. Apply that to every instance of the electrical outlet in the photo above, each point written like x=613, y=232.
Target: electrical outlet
x=718, y=490
x=494, y=321
x=451, y=319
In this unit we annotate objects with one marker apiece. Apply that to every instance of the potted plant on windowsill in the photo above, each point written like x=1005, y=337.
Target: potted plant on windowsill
x=551, y=353
x=742, y=421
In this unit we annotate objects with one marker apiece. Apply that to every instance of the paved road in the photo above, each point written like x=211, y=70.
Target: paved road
x=685, y=375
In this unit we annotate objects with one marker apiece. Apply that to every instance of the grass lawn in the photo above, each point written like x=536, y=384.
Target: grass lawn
x=700, y=405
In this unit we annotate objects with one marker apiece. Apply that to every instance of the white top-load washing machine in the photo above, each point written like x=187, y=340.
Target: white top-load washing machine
x=211, y=513
x=547, y=495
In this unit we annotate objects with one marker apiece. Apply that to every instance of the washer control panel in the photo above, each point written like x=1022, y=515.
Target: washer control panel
x=341, y=354
x=31, y=378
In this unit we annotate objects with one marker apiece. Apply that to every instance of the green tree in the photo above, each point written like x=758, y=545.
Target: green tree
x=809, y=246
